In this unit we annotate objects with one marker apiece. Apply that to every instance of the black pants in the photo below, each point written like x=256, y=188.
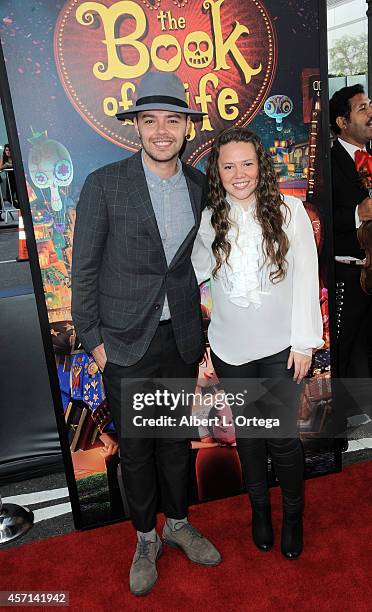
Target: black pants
x=354, y=321
x=153, y=469
x=286, y=453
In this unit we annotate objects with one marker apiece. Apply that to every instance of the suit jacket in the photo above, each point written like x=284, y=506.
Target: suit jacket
x=347, y=193
x=119, y=270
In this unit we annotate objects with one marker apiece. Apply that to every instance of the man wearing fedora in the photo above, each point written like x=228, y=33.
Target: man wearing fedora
x=136, y=305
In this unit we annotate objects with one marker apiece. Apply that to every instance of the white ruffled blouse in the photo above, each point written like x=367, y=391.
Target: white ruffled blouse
x=252, y=317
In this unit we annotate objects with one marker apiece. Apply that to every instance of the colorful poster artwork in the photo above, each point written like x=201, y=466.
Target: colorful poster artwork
x=71, y=67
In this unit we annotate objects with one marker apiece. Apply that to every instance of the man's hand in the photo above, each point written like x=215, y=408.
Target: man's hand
x=99, y=356
x=301, y=364
x=110, y=445
x=365, y=209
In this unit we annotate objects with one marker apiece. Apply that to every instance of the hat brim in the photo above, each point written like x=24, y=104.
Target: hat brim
x=129, y=114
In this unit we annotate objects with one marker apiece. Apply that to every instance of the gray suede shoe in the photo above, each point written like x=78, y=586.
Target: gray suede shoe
x=195, y=546
x=143, y=573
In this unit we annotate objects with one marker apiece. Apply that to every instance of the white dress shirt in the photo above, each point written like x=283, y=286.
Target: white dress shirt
x=252, y=317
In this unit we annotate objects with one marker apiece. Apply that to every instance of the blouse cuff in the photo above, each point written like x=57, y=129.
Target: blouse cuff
x=358, y=222
x=307, y=351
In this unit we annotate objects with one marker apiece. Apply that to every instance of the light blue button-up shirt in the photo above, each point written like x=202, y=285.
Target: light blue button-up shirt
x=170, y=200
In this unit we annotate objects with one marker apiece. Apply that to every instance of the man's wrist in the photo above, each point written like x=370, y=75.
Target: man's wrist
x=97, y=347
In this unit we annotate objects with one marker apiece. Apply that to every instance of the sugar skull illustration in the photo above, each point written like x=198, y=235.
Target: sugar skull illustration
x=50, y=167
x=277, y=107
x=198, y=49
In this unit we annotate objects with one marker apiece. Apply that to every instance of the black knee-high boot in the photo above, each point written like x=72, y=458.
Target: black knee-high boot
x=253, y=459
x=288, y=460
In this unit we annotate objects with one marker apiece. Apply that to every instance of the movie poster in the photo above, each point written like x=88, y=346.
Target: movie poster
x=71, y=67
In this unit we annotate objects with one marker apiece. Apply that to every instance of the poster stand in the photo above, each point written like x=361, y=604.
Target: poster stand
x=72, y=415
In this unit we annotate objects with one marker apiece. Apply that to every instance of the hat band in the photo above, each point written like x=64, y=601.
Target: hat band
x=161, y=100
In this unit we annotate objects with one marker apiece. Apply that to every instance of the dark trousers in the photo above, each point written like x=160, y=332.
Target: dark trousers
x=153, y=469
x=11, y=188
x=354, y=321
x=287, y=453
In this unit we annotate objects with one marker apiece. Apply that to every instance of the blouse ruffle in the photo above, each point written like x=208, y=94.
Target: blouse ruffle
x=240, y=276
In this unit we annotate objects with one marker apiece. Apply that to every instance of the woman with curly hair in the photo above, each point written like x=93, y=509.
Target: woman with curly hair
x=258, y=248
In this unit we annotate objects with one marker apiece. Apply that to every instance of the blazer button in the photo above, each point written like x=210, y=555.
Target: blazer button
x=157, y=306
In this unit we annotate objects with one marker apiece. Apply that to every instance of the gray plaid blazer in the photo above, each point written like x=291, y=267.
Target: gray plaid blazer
x=119, y=270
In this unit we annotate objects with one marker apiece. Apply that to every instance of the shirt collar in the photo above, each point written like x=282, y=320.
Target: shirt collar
x=156, y=180
x=350, y=148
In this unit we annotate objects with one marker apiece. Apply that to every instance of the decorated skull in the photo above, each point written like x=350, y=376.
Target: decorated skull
x=198, y=49
x=277, y=107
x=50, y=166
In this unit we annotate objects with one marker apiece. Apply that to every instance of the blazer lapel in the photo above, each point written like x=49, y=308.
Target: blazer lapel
x=195, y=192
x=139, y=193
x=346, y=162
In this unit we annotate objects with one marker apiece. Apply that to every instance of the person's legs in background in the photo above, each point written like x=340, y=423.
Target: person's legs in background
x=353, y=347
x=353, y=312
x=1, y=200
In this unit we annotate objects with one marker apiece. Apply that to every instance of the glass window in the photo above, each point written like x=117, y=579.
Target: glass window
x=347, y=37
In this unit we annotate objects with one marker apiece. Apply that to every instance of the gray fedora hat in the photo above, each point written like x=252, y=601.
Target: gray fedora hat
x=160, y=91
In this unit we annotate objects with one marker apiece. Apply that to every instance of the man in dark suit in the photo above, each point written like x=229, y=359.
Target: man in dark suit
x=136, y=306
x=351, y=122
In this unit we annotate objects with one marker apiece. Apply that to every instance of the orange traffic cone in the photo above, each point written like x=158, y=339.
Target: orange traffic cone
x=22, y=247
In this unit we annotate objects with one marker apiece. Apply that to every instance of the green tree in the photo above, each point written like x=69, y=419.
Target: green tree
x=349, y=56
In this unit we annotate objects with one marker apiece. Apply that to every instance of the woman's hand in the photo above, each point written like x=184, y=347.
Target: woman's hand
x=301, y=365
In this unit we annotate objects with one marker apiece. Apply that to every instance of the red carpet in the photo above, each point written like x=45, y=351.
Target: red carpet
x=333, y=573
